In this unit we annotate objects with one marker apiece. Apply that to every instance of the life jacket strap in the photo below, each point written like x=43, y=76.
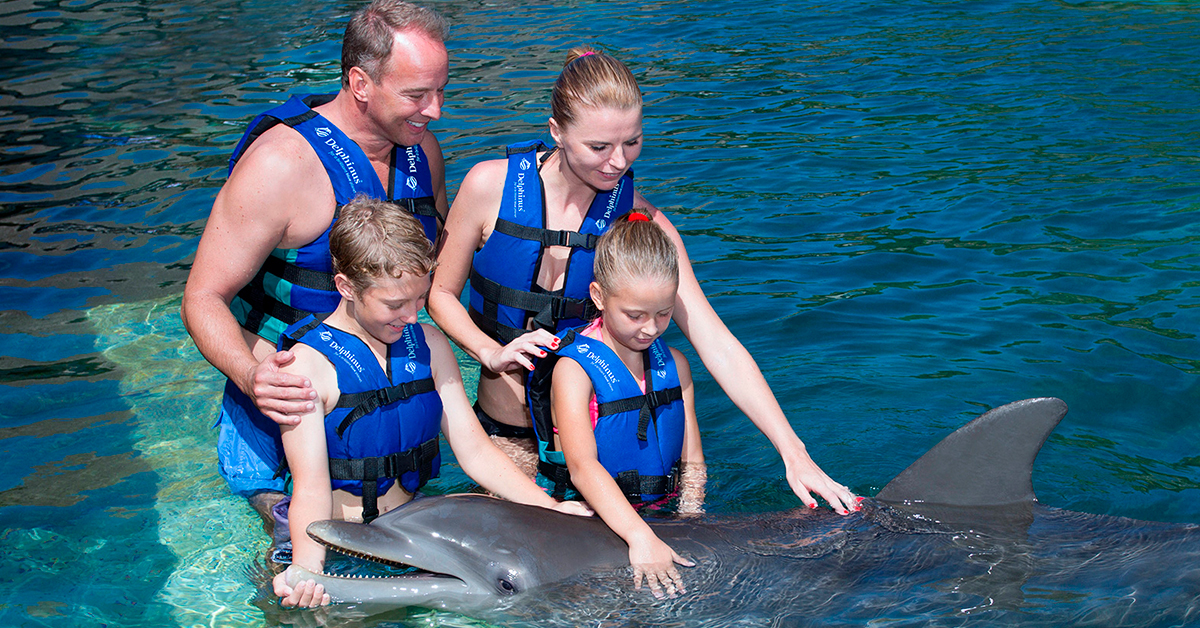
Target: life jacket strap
x=364, y=403
x=421, y=206
x=635, y=485
x=370, y=470
x=547, y=237
x=559, y=475
x=548, y=309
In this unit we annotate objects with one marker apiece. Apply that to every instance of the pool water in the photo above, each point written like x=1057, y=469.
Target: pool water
x=909, y=212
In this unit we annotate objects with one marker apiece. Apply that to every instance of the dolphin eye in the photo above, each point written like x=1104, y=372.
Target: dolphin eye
x=506, y=586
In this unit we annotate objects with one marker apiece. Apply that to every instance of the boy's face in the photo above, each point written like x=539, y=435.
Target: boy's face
x=390, y=303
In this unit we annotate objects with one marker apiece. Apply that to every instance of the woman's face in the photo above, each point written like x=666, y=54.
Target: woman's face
x=601, y=144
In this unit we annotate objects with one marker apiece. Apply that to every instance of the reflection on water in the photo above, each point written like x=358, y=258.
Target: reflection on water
x=908, y=212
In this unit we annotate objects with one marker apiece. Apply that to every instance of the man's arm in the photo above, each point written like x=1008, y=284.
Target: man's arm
x=275, y=195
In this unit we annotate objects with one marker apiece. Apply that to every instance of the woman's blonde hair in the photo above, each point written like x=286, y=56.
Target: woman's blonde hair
x=634, y=250
x=591, y=78
x=373, y=238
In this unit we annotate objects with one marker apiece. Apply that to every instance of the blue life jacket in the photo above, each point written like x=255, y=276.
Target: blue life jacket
x=295, y=282
x=639, y=435
x=504, y=292
x=385, y=425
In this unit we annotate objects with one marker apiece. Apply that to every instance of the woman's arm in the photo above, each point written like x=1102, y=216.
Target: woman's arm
x=739, y=376
x=570, y=394
x=308, y=461
x=471, y=220
x=476, y=453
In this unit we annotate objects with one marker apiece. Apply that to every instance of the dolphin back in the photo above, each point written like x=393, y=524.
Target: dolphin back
x=987, y=462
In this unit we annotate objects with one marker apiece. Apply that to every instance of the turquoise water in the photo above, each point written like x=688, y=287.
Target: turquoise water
x=909, y=212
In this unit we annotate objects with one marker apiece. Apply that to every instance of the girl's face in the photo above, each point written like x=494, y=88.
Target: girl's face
x=638, y=312
x=388, y=304
x=601, y=144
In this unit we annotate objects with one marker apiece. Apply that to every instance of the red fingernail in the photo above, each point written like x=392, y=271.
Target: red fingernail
x=813, y=505
x=859, y=500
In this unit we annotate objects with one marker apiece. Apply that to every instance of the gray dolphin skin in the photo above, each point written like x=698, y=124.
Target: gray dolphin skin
x=957, y=537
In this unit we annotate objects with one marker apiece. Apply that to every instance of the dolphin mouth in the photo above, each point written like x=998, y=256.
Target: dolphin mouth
x=414, y=572
x=369, y=544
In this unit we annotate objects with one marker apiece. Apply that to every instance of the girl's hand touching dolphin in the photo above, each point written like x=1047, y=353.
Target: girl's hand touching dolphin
x=656, y=561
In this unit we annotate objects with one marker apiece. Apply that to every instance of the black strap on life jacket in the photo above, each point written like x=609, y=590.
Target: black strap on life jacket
x=645, y=403
x=367, y=401
x=546, y=308
x=370, y=470
x=364, y=403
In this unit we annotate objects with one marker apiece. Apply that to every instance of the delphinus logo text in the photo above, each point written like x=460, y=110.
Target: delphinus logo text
x=600, y=363
x=349, y=358
x=345, y=160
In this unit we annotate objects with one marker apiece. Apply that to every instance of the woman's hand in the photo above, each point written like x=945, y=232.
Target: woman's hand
x=518, y=353
x=306, y=594
x=805, y=477
x=656, y=561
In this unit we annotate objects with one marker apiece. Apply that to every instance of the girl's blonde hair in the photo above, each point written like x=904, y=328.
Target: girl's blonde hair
x=591, y=78
x=373, y=238
x=634, y=250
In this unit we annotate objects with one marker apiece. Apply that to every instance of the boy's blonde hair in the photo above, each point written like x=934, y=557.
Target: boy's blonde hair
x=634, y=250
x=591, y=78
x=373, y=238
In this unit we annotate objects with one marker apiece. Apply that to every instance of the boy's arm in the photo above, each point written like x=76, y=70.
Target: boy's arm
x=475, y=452
x=308, y=461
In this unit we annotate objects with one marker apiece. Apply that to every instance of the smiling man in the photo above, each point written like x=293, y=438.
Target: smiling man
x=263, y=261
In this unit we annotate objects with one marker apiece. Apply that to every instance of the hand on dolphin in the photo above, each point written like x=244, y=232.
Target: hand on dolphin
x=305, y=594
x=655, y=560
x=805, y=478
x=577, y=508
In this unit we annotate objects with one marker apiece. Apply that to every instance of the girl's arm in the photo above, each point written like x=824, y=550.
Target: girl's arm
x=308, y=462
x=471, y=219
x=693, y=472
x=739, y=376
x=570, y=394
x=476, y=453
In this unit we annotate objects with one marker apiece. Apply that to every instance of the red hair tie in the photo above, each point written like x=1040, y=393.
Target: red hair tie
x=638, y=217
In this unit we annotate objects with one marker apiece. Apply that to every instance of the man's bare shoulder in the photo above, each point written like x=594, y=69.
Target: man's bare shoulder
x=280, y=154
x=281, y=185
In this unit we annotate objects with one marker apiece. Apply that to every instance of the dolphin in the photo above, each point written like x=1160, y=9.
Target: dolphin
x=957, y=534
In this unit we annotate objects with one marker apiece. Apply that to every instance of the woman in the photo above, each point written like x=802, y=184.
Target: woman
x=523, y=228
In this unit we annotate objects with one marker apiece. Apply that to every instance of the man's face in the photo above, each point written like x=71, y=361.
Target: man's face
x=411, y=88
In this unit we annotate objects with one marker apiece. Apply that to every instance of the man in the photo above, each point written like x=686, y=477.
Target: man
x=263, y=260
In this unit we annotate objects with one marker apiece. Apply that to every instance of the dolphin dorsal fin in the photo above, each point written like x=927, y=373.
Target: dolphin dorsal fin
x=987, y=462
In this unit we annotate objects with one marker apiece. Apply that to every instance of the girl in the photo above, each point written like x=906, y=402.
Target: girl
x=622, y=410
x=386, y=385
x=522, y=229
